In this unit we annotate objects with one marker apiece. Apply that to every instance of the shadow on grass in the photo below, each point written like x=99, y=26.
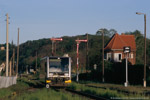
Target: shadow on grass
x=38, y=84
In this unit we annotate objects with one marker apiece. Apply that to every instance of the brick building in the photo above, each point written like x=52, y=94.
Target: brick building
x=114, y=48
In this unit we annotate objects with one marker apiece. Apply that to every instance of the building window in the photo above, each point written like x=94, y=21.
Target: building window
x=105, y=56
x=108, y=56
x=131, y=55
x=117, y=57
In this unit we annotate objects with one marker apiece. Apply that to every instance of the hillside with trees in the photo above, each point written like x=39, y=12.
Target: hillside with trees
x=43, y=47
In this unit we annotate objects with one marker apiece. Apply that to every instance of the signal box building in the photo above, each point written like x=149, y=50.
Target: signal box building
x=114, y=48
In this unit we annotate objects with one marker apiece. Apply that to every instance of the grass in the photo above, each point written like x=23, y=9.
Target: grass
x=7, y=92
x=106, y=93
x=20, y=87
x=20, y=91
x=48, y=94
x=130, y=89
x=122, y=88
x=23, y=91
x=98, y=92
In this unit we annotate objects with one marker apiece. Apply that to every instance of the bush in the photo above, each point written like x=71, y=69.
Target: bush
x=116, y=73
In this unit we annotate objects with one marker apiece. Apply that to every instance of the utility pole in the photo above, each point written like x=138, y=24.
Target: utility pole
x=17, y=53
x=10, y=68
x=145, y=50
x=126, y=70
x=53, y=41
x=36, y=61
x=53, y=48
x=87, y=54
x=77, y=78
x=10, y=62
x=7, y=46
x=102, y=31
x=126, y=51
x=13, y=60
x=144, y=81
x=103, y=56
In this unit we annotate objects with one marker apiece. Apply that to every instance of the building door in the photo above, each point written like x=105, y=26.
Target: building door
x=117, y=57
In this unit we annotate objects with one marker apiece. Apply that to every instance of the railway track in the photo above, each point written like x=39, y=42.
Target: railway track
x=120, y=91
x=86, y=95
x=91, y=97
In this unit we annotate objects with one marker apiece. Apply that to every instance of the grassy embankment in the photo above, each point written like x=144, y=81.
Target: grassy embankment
x=106, y=91
x=139, y=90
x=23, y=84
x=12, y=91
x=49, y=94
x=26, y=89
x=31, y=89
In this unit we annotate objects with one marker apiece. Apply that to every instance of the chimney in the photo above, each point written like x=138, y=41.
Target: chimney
x=122, y=34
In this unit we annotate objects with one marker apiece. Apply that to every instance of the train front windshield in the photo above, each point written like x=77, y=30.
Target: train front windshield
x=59, y=65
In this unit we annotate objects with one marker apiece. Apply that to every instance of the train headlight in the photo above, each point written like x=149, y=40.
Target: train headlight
x=68, y=81
x=51, y=74
x=48, y=81
x=66, y=74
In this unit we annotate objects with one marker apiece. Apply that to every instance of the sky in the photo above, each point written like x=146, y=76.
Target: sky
x=39, y=19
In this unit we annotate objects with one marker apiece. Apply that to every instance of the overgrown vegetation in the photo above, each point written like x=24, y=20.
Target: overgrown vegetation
x=115, y=73
x=105, y=91
x=48, y=94
x=6, y=93
x=27, y=89
x=68, y=45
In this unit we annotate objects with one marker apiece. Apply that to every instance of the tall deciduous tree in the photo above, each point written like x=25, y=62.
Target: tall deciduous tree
x=107, y=32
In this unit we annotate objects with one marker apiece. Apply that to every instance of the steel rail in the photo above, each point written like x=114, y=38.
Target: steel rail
x=86, y=95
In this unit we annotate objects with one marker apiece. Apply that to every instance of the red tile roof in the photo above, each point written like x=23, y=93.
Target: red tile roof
x=119, y=41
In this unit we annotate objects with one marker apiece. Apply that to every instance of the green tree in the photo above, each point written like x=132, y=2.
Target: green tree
x=108, y=33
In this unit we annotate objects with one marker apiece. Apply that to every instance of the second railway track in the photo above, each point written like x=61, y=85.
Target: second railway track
x=92, y=97
x=86, y=95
